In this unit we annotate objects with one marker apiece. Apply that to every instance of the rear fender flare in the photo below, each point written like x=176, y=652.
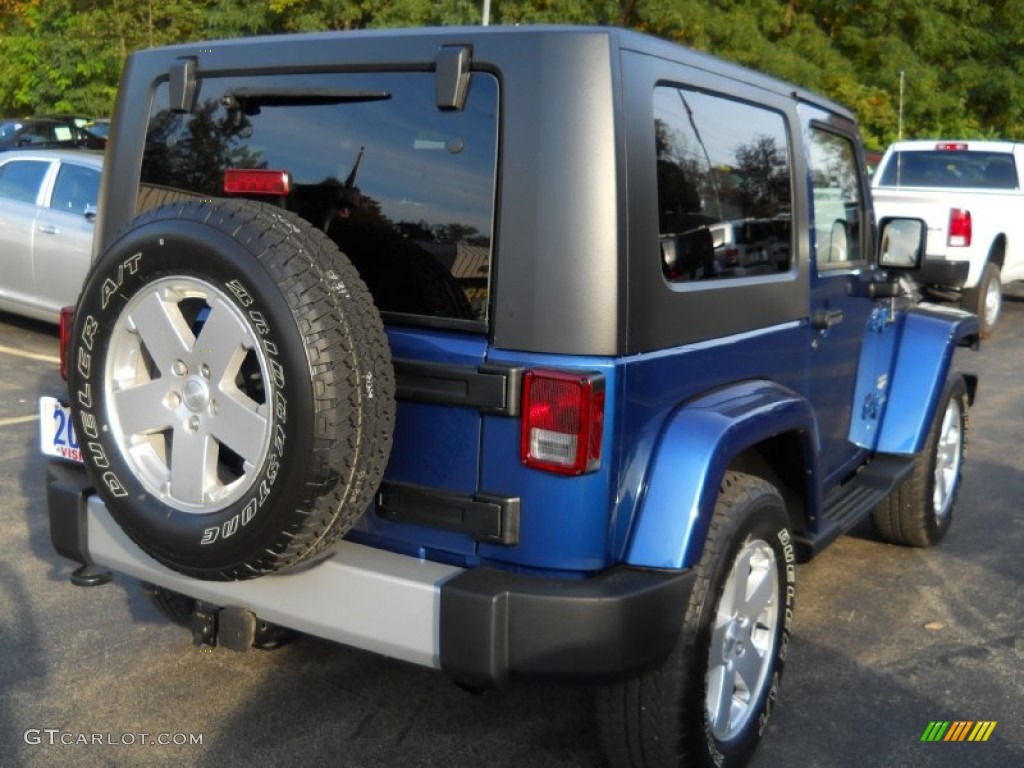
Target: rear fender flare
x=697, y=445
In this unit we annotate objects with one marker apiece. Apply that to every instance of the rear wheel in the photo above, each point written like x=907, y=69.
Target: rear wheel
x=919, y=512
x=709, y=703
x=986, y=298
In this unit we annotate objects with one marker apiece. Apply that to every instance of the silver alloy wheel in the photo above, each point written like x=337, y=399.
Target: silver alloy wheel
x=743, y=639
x=948, y=455
x=188, y=393
x=993, y=302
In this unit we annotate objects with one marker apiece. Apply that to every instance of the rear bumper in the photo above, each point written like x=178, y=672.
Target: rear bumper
x=482, y=626
x=943, y=273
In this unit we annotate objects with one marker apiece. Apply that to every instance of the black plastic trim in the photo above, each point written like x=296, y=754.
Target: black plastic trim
x=488, y=518
x=498, y=626
x=492, y=389
x=948, y=274
x=67, y=491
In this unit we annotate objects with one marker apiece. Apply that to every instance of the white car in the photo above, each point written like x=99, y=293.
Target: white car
x=47, y=207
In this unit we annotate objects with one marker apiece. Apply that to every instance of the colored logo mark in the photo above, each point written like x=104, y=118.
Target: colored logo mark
x=958, y=730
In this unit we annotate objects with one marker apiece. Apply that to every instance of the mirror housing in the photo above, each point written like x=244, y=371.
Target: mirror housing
x=901, y=244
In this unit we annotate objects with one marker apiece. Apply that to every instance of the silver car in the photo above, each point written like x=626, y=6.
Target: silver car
x=47, y=207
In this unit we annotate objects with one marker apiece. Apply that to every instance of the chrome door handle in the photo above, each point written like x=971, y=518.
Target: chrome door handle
x=48, y=229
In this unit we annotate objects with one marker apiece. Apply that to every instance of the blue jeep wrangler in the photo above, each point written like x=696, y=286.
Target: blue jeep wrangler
x=523, y=354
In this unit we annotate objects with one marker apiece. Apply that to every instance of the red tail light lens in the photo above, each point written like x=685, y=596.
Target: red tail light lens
x=67, y=318
x=960, y=229
x=951, y=146
x=256, y=181
x=563, y=421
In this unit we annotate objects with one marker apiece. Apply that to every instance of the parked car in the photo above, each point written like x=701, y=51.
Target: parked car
x=99, y=128
x=47, y=206
x=970, y=195
x=47, y=133
x=379, y=344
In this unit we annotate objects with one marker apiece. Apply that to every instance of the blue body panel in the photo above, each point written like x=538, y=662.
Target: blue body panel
x=564, y=524
x=701, y=439
x=874, y=373
x=929, y=338
x=436, y=446
x=674, y=421
x=657, y=384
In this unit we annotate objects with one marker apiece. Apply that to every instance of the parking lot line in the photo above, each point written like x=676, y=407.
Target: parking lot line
x=18, y=420
x=29, y=355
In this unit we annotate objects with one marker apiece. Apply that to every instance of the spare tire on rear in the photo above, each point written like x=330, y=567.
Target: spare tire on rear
x=232, y=388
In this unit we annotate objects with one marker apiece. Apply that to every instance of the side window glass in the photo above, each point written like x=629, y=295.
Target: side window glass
x=21, y=180
x=75, y=189
x=838, y=206
x=36, y=134
x=724, y=187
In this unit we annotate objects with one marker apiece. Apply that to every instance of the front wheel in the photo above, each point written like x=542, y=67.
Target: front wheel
x=919, y=512
x=709, y=703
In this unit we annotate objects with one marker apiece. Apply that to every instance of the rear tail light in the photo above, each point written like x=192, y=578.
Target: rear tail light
x=563, y=421
x=960, y=229
x=257, y=181
x=951, y=146
x=67, y=317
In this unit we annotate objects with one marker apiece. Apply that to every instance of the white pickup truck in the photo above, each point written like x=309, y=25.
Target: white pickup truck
x=969, y=193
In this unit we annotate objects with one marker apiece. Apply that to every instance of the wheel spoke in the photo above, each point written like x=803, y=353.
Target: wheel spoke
x=748, y=667
x=141, y=409
x=719, y=697
x=761, y=596
x=947, y=458
x=240, y=425
x=193, y=466
x=734, y=600
x=221, y=342
x=163, y=331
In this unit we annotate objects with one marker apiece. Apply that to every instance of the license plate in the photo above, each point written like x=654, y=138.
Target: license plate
x=56, y=432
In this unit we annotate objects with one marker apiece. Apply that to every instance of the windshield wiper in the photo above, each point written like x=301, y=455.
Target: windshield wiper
x=249, y=100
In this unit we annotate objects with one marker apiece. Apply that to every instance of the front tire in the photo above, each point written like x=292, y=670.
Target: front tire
x=919, y=512
x=709, y=703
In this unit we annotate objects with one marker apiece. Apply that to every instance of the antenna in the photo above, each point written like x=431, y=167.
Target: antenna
x=899, y=130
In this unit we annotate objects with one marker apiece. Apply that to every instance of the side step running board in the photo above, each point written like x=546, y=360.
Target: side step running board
x=846, y=506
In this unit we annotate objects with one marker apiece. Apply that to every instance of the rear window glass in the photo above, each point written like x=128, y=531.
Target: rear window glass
x=405, y=189
x=937, y=168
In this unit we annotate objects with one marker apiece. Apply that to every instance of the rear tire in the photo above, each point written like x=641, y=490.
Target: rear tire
x=919, y=512
x=986, y=298
x=709, y=703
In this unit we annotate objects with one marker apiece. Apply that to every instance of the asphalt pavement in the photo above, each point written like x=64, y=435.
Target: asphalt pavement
x=887, y=641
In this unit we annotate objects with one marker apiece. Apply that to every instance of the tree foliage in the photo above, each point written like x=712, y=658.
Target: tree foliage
x=960, y=60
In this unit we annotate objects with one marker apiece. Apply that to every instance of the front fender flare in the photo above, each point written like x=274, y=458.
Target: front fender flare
x=930, y=336
x=696, y=447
